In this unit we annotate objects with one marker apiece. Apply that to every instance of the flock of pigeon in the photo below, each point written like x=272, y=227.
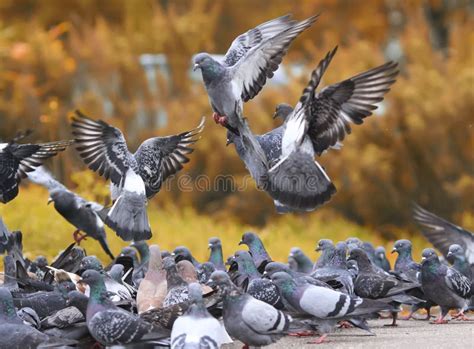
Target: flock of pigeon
x=149, y=297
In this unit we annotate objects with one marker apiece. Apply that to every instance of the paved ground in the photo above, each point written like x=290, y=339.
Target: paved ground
x=408, y=334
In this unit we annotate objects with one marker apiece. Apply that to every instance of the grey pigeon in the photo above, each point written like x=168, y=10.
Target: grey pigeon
x=63, y=318
x=457, y=258
x=327, y=248
x=135, y=177
x=253, y=322
x=18, y=335
x=257, y=250
x=370, y=250
x=39, y=267
x=335, y=272
x=408, y=269
x=443, y=285
x=9, y=275
x=16, y=160
x=252, y=58
x=82, y=214
x=443, y=234
x=249, y=279
x=132, y=253
x=177, y=287
x=205, y=271
x=182, y=252
x=78, y=300
x=144, y=252
x=304, y=264
x=30, y=317
x=327, y=305
x=216, y=256
x=196, y=327
x=381, y=259
x=353, y=243
x=107, y=323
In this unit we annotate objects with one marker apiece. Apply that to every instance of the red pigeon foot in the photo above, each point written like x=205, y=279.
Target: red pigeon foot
x=319, y=340
x=216, y=117
x=440, y=320
x=78, y=237
x=345, y=324
x=302, y=334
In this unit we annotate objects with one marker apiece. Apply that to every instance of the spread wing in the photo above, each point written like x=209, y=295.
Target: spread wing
x=458, y=283
x=331, y=111
x=251, y=71
x=443, y=234
x=248, y=40
x=102, y=147
x=160, y=157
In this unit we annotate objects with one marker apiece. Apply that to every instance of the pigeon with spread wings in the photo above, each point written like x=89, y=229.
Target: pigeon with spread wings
x=252, y=58
x=16, y=160
x=135, y=177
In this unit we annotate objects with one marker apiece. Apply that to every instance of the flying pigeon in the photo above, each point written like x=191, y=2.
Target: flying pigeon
x=253, y=322
x=257, y=250
x=443, y=285
x=304, y=264
x=153, y=288
x=216, y=256
x=381, y=259
x=325, y=304
x=196, y=327
x=443, y=234
x=107, y=323
x=135, y=177
x=252, y=58
x=16, y=160
x=82, y=214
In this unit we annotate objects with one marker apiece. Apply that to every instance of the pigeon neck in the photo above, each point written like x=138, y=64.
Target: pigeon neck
x=173, y=279
x=324, y=258
x=403, y=260
x=212, y=72
x=7, y=311
x=461, y=265
x=247, y=266
x=430, y=269
x=217, y=257
x=198, y=310
x=257, y=250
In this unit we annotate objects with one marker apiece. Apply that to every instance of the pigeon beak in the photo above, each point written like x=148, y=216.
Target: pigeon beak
x=423, y=258
x=228, y=142
x=241, y=242
x=394, y=250
x=50, y=200
x=173, y=254
x=265, y=275
x=275, y=115
x=196, y=66
x=317, y=249
x=449, y=254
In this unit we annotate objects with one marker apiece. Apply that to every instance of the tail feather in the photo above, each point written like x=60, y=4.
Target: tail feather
x=105, y=246
x=128, y=217
x=299, y=182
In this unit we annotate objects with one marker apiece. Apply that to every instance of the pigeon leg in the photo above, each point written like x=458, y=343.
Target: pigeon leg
x=216, y=117
x=394, y=322
x=345, y=324
x=440, y=320
x=319, y=340
x=78, y=237
x=302, y=334
x=461, y=316
x=222, y=121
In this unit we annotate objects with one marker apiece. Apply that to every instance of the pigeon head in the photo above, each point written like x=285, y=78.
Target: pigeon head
x=187, y=271
x=214, y=243
x=77, y=299
x=230, y=260
x=324, y=244
x=7, y=309
x=361, y=257
x=402, y=247
x=245, y=263
x=352, y=265
x=169, y=263
x=428, y=254
x=210, y=68
x=282, y=110
x=165, y=254
x=129, y=251
x=380, y=252
x=248, y=239
x=221, y=280
x=156, y=262
x=90, y=262
x=117, y=271
x=353, y=243
x=296, y=252
x=275, y=267
x=181, y=253
x=92, y=277
x=455, y=252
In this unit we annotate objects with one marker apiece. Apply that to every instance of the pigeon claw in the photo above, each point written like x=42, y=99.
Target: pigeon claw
x=461, y=316
x=440, y=321
x=319, y=340
x=78, y=237
x=302, y=334
x=345, y=324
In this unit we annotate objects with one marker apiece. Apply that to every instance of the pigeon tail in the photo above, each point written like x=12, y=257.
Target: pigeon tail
x=299, y=182
x=128, y=217
x=105, y=246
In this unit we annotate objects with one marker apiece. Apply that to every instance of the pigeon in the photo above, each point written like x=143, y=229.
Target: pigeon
x=9, y=276
x=135, y=177
x=443, y=285
x=216, y=256
x=63, y=318
x=117, y=289
x=116, y=272
x=18, y=335
x=443, y=234
x=132, y=253
x=257, y=250
x=353, y=243
x=249, y=280
x=188, y=273
x=374, y=283
x=153, y=288
x=144, y=252
x=177, y=287
x=252, y=58
x=327, y=305
x=182, y=252
x=82, y=214
x=39, y=266
x=196, y=327
x=304, y=264
x=78, y=300
x=253, y=322
x=370, y=250
x=327, y=248
x=30, y=317
x=457, y=258
x=335, y=272
x=381, y=259
x=205, y=271
x=107, y=323
x=16, y=160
